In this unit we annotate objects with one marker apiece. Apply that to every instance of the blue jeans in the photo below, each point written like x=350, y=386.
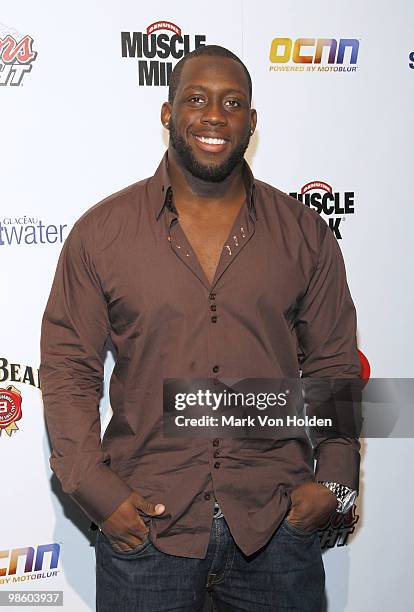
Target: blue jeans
x=286, y=574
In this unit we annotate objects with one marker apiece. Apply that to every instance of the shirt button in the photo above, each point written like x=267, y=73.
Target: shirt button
x=214, y=319
x=216, y=369
x=212, y=296
x=213, y=307
x=216, y=454
x=217, y=465
x=207, y=496
x=216, y=441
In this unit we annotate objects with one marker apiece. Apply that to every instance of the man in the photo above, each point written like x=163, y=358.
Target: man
x=198, y=272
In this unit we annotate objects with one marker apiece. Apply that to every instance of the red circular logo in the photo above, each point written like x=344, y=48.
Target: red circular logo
x=10, y=407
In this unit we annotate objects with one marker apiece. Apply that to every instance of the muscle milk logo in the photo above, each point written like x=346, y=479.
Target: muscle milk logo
x=29, y=230
x=29, y=563
x=162, y=40
x=324, y=200
x=314, y=55
x=16, y=57
x=10, y=396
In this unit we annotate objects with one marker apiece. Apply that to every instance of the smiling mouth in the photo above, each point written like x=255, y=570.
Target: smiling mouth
x=214, y=141
x=212, y=145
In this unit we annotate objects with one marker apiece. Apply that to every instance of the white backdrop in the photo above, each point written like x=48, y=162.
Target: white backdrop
x=79, y=127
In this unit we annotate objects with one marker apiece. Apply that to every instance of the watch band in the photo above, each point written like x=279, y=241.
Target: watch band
x=345, y=495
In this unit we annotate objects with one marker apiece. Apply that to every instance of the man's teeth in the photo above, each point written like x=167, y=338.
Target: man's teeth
x=214, y=141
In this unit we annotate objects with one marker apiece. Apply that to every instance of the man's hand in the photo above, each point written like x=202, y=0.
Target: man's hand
x=125, y=529
x=312, y=504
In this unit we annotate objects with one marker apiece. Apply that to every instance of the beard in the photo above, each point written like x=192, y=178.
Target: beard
x=213, y=173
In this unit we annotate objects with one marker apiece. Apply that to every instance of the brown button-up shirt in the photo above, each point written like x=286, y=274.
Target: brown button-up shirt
x=279, y=303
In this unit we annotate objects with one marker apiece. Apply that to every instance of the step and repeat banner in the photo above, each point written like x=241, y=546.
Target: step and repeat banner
x=81, y=86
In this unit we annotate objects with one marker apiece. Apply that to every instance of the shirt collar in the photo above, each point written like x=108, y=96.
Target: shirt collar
x=160, y=188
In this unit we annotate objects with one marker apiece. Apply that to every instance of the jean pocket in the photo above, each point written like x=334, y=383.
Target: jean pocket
x=125, y=554
x=296, y=531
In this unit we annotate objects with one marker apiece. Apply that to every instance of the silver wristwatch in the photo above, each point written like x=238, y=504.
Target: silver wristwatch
x=345, y=495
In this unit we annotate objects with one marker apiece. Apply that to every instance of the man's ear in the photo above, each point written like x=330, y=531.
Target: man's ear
x=166, y=114
x=253, y=120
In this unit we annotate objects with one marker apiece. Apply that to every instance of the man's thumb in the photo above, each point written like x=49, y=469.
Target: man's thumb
x=153, y=508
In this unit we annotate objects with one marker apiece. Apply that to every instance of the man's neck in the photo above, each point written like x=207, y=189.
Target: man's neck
x=192, y=194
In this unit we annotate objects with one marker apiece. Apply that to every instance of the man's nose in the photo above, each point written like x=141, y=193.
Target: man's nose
x=214, y=114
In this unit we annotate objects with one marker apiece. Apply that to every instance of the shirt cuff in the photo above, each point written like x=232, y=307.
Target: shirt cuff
x=338, y=461
x=101, y=493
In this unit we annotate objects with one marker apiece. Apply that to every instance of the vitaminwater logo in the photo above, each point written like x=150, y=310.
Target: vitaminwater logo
x=162, y=41
x=10, y=396
x=16, y=57
x=29, y=563
x=29, y=230
x=333, y=204
x=314, y=55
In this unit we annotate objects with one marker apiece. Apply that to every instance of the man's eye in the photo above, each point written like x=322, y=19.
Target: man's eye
x=232, y=103
x=195, y=99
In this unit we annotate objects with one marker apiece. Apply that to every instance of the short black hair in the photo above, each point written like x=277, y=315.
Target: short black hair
x=207, y=50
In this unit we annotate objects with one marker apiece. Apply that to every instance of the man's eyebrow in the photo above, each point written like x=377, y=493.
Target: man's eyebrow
x=226, y=91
